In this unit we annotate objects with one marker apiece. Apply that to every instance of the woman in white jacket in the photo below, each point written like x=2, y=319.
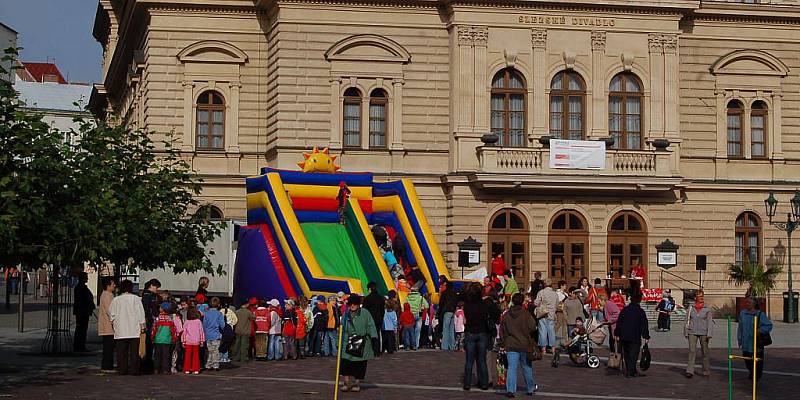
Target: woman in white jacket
x=127, y=317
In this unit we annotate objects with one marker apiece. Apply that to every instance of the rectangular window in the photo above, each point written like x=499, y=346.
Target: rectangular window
x=557, y=117
x=516, y=119
x=757, y=132
x=498, y=117
x=615, y=120
x=575, y=118
x=377, y=125
x=734, y=135
x=352, y=124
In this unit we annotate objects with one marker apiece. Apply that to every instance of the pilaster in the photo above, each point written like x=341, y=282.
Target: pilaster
x=671, y=89
x=599, y=103
x=188, y=116
x=656, y=85
x=232, y=129
x=397, y=115
x=540, y=106
x=336, y=113
x=480, y=39
x=776, y=136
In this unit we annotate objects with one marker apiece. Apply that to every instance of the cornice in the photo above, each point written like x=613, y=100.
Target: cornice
x=414, y=4
x=609, y=7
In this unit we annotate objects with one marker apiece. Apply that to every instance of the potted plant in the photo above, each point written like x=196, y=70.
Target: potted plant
x=760, y=281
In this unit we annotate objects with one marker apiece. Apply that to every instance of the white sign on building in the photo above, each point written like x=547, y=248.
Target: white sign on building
x=577, y=154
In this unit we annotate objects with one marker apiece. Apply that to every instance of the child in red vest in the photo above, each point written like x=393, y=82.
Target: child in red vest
x=262, y=330
x=407, y=323
x=289, y=332
x=164, y=336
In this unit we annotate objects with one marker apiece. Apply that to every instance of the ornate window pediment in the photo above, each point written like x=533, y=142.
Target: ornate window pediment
x=749, y=62
x=212, y=51
x=368, y=48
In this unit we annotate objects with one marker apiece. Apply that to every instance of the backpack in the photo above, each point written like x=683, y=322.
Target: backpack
x=332, y=317
x=163, y=335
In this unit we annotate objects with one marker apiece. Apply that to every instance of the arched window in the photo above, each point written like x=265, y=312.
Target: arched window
x=758, y=129
x=567, y=99
x=568, y=244
x=508, y=108
x=352, y=118
x=625, y=111
x=735, y=138
x=210, y=121
x=508, y=237
x=215, y=214
x=748, y=238
x=377, y=118
x=627, y=244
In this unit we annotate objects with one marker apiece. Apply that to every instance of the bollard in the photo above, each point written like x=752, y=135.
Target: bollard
x=338, y=363
x=21, y=316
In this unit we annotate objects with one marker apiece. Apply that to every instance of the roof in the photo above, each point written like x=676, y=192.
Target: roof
x=53, y=96
x=39, y=70
x=8, y=27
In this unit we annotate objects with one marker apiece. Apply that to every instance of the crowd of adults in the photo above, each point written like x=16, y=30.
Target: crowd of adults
x=159, y=333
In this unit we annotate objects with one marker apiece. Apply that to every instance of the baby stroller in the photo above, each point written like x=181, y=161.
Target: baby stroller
x=581, y=348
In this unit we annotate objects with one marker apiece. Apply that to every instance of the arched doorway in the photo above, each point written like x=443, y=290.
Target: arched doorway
x=568, y=247
x=627, y=244
x=509, y=237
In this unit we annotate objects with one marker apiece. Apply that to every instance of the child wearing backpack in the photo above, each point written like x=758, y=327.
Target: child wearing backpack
x=275, y=340
x=163, y=336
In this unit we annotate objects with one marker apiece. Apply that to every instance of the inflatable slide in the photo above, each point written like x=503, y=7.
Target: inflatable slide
x=297, y=242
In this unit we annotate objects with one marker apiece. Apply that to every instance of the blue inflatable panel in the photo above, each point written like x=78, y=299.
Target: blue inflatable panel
x=254, y=274
x=258, y=216
x=323, y=179
x=317, y=216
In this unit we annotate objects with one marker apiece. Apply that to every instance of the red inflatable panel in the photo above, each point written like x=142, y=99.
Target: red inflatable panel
x=319, y=204
x=277, y=262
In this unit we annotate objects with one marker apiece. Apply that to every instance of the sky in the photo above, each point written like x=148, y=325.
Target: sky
x=57, y=29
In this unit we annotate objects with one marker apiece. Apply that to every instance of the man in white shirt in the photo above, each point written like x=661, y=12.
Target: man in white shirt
x=127, y=317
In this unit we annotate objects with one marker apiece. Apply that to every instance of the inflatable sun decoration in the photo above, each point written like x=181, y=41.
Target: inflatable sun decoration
x=319, y=161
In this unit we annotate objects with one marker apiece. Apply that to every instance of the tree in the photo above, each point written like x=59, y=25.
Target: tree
x=760, y=279
x=113, y=195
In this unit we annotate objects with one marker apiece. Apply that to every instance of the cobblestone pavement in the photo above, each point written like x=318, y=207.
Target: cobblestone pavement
x=413, y=375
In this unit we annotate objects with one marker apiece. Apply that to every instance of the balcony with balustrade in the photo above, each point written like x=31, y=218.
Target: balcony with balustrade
x=529, y=168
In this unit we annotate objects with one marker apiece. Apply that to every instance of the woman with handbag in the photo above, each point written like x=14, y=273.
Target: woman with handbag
x=517, y=328
x=358, y=332
x=744, y=335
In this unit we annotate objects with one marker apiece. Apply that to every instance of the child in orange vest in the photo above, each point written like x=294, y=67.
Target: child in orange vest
x=262, y=330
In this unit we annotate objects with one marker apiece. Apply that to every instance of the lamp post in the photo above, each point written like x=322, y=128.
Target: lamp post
x=792, y=223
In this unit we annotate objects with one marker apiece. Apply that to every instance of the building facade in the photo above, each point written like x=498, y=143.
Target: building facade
x=701, y=99
x=8, y=38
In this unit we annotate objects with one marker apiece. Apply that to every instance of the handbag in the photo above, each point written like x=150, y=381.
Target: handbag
x=142, y=345
x=644, y=363
x=615, y=359
x=355, y=343
x=541, y=311
x=764, y=338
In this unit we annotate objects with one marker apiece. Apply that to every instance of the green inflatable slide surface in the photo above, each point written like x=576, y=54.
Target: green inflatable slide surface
x=334, y=250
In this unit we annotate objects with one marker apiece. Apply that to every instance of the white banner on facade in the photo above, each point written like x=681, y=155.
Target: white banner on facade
x=577, y=154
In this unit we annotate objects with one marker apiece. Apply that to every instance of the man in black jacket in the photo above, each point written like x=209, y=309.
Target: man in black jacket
x=375, y=304
x=150, y=304
x=631, y=329
x=82, y=309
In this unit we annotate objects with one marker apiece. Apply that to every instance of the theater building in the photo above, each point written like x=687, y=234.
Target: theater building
x=697, y=102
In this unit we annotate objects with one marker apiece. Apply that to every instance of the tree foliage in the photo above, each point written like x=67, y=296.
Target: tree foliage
x=760, y=279
x=112, y=195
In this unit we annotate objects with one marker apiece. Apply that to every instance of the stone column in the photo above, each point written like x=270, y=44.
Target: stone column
x=397, y=115
x=656, y=86
x=336, y=113
x=188, y=116
x=599, y=100
x=540, y=103
x=671, y=89
x=480, y=38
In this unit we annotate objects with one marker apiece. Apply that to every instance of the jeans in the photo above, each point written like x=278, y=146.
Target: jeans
x=547, y=332
x=329, y=346
x=597, y=315
x=448, y=332
x=408, y=337
x=275, y=351
x=476, y=345
x=516, y=358
x=693, y=349
x=417, y=331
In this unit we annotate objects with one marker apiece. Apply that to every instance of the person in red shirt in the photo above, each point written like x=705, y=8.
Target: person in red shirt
x=638, y=272
x=498, y=265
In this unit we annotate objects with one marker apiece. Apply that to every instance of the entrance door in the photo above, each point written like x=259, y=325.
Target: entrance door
x=568, y=244
x=508, y=237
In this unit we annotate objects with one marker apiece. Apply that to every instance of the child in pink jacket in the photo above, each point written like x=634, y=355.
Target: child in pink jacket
x=193, y=337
